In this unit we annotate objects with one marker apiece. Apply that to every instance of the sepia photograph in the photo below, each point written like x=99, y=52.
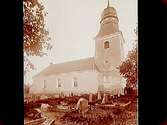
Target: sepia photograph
x=80, y=62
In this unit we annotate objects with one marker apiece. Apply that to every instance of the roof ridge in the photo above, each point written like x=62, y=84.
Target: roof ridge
x=73, y=65
x=73, y=60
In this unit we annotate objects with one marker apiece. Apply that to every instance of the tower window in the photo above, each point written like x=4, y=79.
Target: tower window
x=59, y=83
x=106, y=45
x=75, y=82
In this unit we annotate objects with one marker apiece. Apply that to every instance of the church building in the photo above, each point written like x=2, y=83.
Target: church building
x=92, y=74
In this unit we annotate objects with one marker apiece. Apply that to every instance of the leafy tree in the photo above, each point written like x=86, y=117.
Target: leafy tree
x=26, y=88
x=35, y=35
x=128, y=68
x=28, y=66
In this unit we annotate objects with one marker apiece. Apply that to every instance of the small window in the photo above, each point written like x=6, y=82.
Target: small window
x=106, y=45
x=75, y=82
x=44, y=84
x=59, y=83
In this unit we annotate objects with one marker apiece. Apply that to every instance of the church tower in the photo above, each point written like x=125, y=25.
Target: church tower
x=109, y=46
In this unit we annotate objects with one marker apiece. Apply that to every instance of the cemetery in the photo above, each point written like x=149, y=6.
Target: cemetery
x=87, y=109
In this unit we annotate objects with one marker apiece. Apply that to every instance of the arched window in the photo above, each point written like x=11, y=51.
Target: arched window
x=44, y=84
x=59, y=83
x=75, y=82
x=106, y=45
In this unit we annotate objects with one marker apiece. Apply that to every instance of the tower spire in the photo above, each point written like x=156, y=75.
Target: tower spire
x=108, y=3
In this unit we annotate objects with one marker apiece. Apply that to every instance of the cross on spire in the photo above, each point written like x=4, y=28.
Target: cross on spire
x=108, y=3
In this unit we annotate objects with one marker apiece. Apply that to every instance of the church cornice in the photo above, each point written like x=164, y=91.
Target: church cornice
x=108, y=36
x=109, y=17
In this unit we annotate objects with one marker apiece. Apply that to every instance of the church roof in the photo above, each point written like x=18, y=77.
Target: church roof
x=71, y=66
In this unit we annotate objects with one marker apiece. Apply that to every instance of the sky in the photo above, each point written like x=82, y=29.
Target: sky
x=72, y=26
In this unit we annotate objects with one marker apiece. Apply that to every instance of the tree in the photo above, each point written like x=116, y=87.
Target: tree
x=128, y=69
x=35, y=35
x=28, y=66
x=26, y=88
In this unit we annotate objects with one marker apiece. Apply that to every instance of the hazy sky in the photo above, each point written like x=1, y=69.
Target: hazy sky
x=72, y=25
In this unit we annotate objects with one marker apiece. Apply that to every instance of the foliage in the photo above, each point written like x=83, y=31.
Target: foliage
x=128, y=68
x=26, y=88
x=35, y=35
x=28, y=66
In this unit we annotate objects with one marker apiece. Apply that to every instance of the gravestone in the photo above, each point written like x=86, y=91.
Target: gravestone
x=99, y=96
x=90, y=97
x=105, y=99
x=56, y=96
x=82, y=105
x=44, y=107
x=43, y=97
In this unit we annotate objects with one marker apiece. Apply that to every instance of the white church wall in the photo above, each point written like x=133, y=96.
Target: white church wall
x=51, y=84
x=87, y=82
x=115, y=54
x=109, y=58
x=37, y=86
x=114, y=82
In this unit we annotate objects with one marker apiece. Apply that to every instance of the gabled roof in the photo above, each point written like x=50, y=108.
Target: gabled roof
x=71, y=66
